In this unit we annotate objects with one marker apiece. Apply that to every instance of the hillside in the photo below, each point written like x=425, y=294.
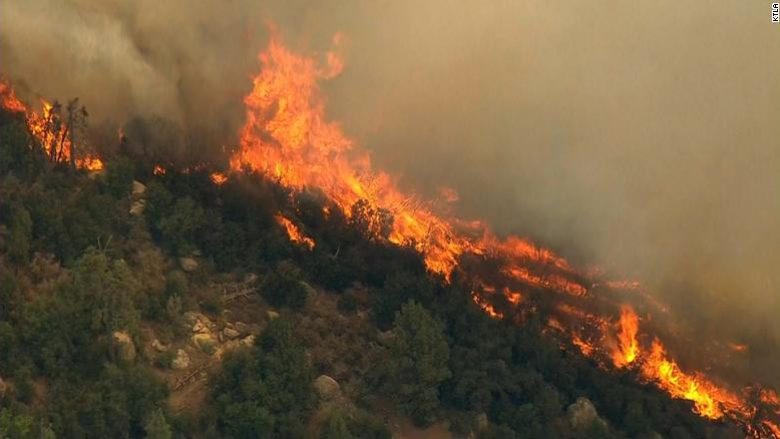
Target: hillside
x=138, y=301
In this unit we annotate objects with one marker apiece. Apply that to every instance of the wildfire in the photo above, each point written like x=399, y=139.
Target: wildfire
x=287, y=137
x=293, y=232
x=628, y=348
x=53, y=134
x=218, y=178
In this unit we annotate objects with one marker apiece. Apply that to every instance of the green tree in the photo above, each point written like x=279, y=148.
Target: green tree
x=119, y=176
x=418, y=362
x=265, y=392
x=109, y=287
x=156, y=427
x=336, y=426
x=180, y=227
x=21, y=235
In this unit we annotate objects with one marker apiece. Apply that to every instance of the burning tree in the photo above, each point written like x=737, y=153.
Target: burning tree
x=59, y=132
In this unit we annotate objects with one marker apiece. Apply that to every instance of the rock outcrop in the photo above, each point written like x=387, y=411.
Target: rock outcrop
x=181, y=361
x=326, y=387
x=124, y=346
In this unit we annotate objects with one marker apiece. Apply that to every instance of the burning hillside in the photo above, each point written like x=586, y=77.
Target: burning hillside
x=288, y=138
x=56, y=134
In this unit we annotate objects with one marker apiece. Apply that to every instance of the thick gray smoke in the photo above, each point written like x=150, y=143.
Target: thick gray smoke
x=176, y=66
x=639, y=136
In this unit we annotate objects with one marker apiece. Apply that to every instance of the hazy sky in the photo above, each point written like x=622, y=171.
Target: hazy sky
x=639, y=135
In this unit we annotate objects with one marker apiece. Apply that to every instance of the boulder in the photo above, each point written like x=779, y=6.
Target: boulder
x=230, y=333
x=188, y=264
x=242, y=328
x=182, y=360
x=125, y=348
x=249, y=340
x=326, y=387
x=138, y=189
x=200, y=328
x=272, y=314
x=137, y=208
x=205, y=342
x=582, y=414
x=158, y=346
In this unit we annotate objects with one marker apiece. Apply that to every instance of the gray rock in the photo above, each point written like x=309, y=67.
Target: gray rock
x=138, y=189
x=137, y=208
x=125, y=348
x=230, y=333
x=158, y=346
x=188, y=264
x=242, y=328
x=249, y=340
x=582, y=414
x=326, y=387
x=182, y=360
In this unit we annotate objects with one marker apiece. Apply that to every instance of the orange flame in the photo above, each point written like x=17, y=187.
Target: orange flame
x=43, y=126
x=293, y=232
x=628, y=348
x=287, y=137
x=218, y=178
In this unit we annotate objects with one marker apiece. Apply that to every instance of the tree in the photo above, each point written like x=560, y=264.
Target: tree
x=21, y=235
x=182, y=224
x=156, y=427
x=418, y=362
x=109, y=287
x=336, y=426
x=267, y=391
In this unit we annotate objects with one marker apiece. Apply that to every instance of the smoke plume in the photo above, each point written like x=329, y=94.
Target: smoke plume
x=642, y=137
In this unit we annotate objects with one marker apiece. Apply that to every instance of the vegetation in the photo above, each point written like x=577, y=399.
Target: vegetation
x=98, y=317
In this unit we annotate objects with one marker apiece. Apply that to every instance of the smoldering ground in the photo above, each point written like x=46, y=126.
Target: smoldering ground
x=641, y=137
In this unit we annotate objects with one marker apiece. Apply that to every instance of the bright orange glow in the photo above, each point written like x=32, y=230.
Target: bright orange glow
x=288, y=138
x=487, y=307
x=586, y=348
x=293, y=232
x=709, y=400
x=628, y=347
x=48, y=129
x=738, y=347
x=218, y=178
x=158, y=170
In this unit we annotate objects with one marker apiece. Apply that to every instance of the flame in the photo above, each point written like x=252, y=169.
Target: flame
x=46, y=127
x=586, y=348
x=218, y=178
x=628, y=348
x=293, y=232
x=709, y=400
x=158, y=170
x=738, y=347
x=287, y=137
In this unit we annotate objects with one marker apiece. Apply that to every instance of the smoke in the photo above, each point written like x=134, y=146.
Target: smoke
x=174, y=64
x=642, y=137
